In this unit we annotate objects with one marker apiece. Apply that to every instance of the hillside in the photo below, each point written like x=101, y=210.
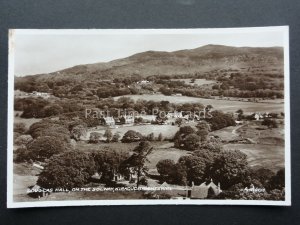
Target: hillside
x=200, y=60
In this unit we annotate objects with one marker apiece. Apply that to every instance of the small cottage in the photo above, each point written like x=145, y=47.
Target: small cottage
x=109, y=121
x=205, y=190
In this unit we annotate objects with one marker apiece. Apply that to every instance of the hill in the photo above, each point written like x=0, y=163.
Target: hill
x=200, y=60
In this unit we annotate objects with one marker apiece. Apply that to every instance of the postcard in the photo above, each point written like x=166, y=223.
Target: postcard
x=148, y=117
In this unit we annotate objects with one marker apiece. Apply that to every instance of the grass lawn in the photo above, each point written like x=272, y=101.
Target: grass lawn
x=168, y=131
x=27, y=122
x=199, y=82
x=262, y=134
x=266, y=156
x=24, y=176
x=126, y=147
x=164, y=150
x=224, y=105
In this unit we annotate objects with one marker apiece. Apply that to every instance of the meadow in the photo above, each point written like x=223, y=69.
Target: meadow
x=218, y=104
x=168, y=131
x=198, y=82
x=261, y=155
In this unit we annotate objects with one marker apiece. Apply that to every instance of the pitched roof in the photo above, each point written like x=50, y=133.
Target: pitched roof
x=202, y=191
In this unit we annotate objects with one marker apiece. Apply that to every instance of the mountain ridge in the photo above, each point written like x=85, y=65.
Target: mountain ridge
x=198, y=60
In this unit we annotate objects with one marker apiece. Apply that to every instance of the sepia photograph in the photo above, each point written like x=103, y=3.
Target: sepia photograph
x=148, y=116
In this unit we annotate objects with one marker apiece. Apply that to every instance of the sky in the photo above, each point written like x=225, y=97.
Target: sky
x=45, y=51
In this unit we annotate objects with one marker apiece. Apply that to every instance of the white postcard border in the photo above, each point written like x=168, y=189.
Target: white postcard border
x=13, y=32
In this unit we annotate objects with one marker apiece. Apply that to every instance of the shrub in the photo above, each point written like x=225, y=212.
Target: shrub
x=132, y=136
x=20, y=128
x=23, y=140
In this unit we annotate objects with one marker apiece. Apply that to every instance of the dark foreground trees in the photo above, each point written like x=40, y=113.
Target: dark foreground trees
x=230, y=168
x=136, y=162
x=41, y=149
x=67, y=170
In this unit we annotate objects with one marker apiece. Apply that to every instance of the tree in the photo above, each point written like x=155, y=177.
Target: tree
x=116, y=137
x=278, y=181
x=240, y=113
x=67, y=170
x=52, y=110
x=150, y=137
x=33, y=107
x=165, y=168
x=179, y=121
x=79, y=131
x=229, y=168
x=138, y=119
x=220, y=120
x=23, y=140
x=191, y=142
x=22, y=155
x=203, y=130
x=269, y=123
x=138, y=159
x=195, y=168
x=263, y=175
x=108, y=134
x=132, y=136
x=160, y=137
x=44, y=147
x=108, y=163
x=181, y=135
x=20, y=128
x=50, y=128
x=95, y=137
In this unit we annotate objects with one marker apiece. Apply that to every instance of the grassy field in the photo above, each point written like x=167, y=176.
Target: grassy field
x=168, y=131
x=266, y=156
x=198, y=82
x=227, y=133
x=224, y=105
x=268, y=152
x=83, y=146
x=164, y=150
x=27, y=122
x=262, y=134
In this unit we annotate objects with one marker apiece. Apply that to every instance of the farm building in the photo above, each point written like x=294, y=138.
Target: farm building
x=205, y=190
x=40, y=94
x=177, y=94
x=109, y=121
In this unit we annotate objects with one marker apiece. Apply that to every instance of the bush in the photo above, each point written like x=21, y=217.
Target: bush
x=269, y=123
x=23, y=140
x=220, y=120
x=52, y=110
x=22, y=155
x=20, y=128
x=160, y=137
x=95, y=137
x=132, y=136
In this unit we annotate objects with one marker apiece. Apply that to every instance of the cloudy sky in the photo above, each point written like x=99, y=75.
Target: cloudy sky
x=44, y=51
